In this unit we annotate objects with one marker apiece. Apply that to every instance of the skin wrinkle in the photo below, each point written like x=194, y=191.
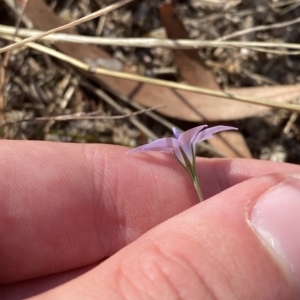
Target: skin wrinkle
x=105, y=216
x=166, y=280
x=103, y=192
x=91, y=156
x=124, y=280
x=209, y=293
x=132, y=214
x=158, y=250
x=184, y=257
x=120, y=208
x=97, y=187
x=117, y=207
x=159, y=279
x=115, y=286
x=145, y=293
x=159, y=269
x=178, y=259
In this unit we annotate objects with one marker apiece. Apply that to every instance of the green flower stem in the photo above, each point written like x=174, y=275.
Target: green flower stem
x=194, y=176
x=191, y=168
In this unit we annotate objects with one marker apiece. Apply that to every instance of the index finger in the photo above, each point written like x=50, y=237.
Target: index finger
x=64, y=205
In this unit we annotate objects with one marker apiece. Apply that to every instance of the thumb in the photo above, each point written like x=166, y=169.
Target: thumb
x=240, y=244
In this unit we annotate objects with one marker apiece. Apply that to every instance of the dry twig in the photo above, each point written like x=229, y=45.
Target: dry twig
x=91, y=16
x=145, y=42
x=81, y=116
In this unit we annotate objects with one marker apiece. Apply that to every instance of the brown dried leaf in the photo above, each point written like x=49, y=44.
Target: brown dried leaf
x=195, y=107
x=190, y=65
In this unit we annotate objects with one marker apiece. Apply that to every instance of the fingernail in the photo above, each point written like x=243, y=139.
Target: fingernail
x=276, y=219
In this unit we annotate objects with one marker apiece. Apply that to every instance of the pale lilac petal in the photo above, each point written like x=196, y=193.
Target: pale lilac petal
x=208, y=133
x=163, y=145
x=186, y=141
x=187, y=136
x=178, y=154
x=176, y=133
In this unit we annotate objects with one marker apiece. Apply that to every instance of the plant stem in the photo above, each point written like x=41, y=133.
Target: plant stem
x=196, y=182
x=190, y=167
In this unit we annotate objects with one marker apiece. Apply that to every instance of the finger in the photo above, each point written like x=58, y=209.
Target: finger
x=73, y=205
x=214, y=250
x=32, y=287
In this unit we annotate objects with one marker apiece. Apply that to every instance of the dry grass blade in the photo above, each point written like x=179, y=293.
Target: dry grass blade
x=159, y=82
x=71, y=24
x=81, y=116
x=258, y=28
x=144, y=42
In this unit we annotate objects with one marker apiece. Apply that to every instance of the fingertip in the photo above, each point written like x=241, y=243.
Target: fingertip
x=275, y=219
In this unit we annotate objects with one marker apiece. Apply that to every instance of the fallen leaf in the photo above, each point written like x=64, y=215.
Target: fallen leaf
x=190, y=65
x=198, y=108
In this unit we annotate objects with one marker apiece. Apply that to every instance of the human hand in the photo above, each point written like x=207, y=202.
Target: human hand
x=65, y=208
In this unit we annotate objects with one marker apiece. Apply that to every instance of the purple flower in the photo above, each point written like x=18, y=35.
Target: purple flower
x=183, y=146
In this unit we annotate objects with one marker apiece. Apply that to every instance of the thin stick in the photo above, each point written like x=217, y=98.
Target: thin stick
x=86, y=39
x=137, y=42
x=258, y=28
x=81, y=116
x=91, y=16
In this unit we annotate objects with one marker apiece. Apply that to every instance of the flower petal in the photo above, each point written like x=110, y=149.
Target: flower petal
x=163, y=145
x=175, y=132
x=179, y=156
x=208, y=133
x=187, y=136
x=186, y=141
